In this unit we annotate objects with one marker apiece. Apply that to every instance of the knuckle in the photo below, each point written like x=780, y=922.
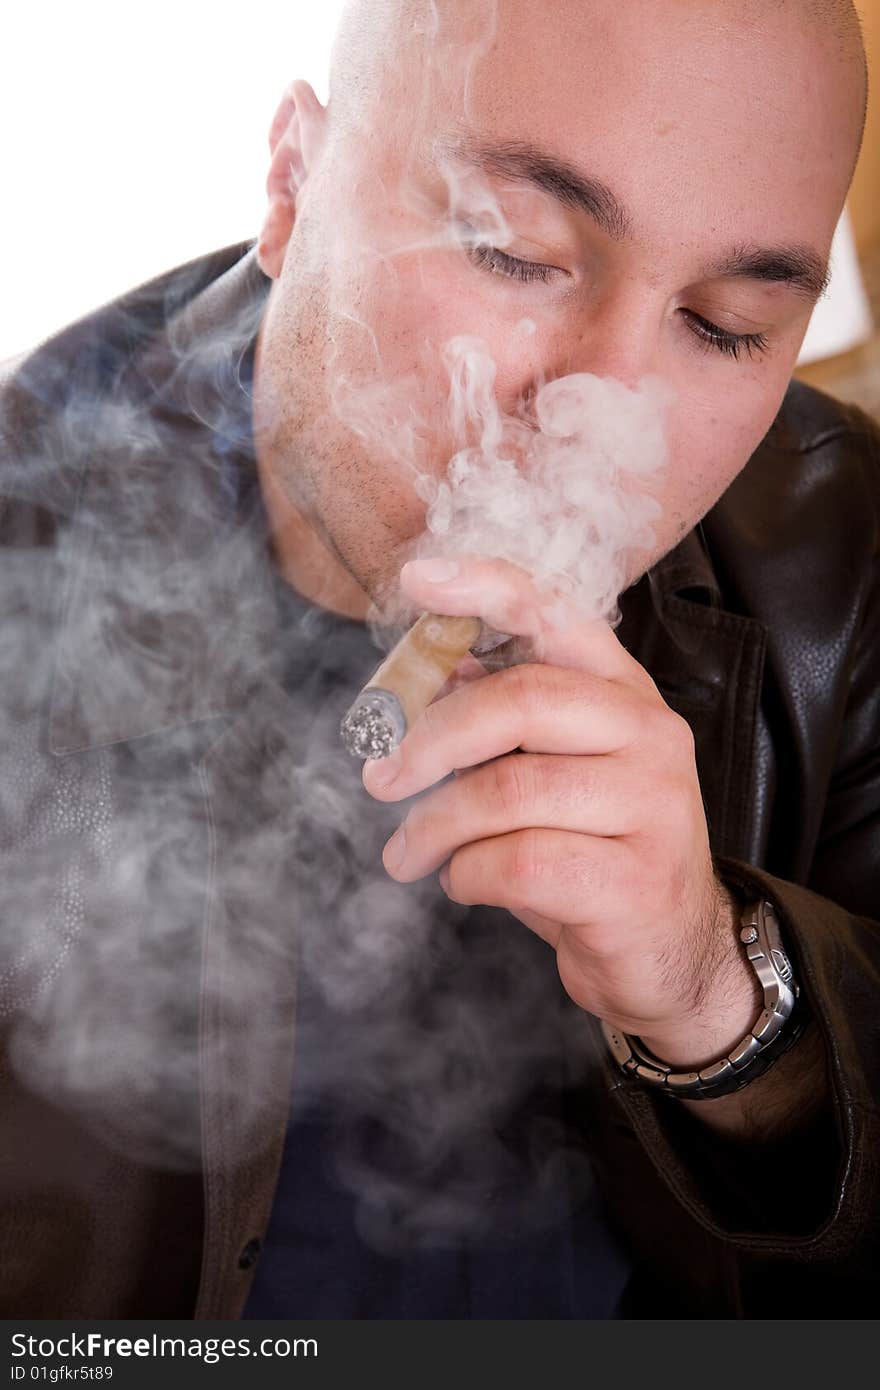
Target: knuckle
x=679, y=735
x=633, y=715
x=667, y=734
x=510, y=786
x=655, y=721
x=456, y=879
x=644, y=682
x=525, y=867
x=523, y=687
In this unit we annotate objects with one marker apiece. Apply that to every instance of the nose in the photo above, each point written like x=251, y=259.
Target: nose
x=616, y=337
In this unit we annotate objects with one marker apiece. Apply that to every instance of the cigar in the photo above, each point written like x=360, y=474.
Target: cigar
x=407, y=681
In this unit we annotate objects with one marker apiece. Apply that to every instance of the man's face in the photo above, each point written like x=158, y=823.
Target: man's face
x=668, y=178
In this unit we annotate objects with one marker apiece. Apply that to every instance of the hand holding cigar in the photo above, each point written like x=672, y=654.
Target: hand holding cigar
x=577, y=807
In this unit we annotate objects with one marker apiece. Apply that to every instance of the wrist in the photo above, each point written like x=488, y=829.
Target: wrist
x=726, y=1017
x=778, y=1025
x=727, y=1007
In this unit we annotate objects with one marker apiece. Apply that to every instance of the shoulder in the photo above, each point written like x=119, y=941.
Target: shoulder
x=795, y=539
x=811, y=487
x=842, y=440
x=112, y=333
x=52, y=396
x=809, y=417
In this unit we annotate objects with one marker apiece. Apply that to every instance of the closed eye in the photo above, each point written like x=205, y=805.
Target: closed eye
x=733, y=344
x=497, y=262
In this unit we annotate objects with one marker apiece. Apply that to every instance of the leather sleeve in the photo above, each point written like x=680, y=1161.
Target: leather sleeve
x=793, y=1226
x=806, y=1205
x=846, y=864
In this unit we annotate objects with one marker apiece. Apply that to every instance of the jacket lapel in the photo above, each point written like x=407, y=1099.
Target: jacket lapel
x=708, y=665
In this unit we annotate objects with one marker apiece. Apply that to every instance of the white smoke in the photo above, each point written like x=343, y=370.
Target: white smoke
x=564, y=497
x=439, y=1023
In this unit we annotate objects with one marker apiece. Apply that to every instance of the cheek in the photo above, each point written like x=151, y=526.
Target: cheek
x=711, y=437
x=413, y=306
x=391, y=350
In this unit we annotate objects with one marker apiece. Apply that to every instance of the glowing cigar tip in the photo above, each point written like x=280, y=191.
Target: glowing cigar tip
x=374, y=725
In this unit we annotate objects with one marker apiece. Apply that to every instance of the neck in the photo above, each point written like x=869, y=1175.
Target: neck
x=300, y=554
x=303, y=558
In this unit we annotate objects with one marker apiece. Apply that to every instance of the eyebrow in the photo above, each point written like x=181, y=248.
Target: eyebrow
x=797, y=267
x=515, y=159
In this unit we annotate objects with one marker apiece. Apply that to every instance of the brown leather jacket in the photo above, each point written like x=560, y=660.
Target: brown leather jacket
x=122, y=700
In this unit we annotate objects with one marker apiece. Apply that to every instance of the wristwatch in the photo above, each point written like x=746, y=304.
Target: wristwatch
x=779, y=1024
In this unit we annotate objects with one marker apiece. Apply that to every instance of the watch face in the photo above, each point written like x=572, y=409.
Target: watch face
x=781, y=961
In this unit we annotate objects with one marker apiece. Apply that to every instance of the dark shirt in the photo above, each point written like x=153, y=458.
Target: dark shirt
x=365, y=1223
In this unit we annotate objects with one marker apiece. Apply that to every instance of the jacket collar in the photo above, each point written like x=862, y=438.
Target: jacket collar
x=169, y=607
x=687, y=572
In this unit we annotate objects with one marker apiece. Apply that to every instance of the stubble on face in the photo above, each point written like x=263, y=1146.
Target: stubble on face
x=360, y=299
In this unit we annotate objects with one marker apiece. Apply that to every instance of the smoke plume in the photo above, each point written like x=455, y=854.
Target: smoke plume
x=184, y=841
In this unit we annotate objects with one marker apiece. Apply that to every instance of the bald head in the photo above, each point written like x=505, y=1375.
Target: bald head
x=378, y=41
x=622, y=190
x=839, y=20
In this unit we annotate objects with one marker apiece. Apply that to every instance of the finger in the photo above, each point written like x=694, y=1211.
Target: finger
x=596, y=796
x=541, y=709
x=559, y=876
x=468, y=670
x=507, y=598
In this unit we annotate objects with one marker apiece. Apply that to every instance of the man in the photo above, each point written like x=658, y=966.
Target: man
x=652, y=191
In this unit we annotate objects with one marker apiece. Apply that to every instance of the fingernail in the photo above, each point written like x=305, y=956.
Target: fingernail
x=394, y=852
x=443, y=878
x=433, y=571
x=381, y=772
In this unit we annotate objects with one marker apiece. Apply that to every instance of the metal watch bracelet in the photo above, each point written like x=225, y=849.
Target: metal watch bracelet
x=776, y=1028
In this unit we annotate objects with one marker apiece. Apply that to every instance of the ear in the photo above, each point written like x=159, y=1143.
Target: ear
x=295, y=140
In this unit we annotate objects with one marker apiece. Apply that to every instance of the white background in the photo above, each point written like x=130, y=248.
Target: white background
x=134, y=137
